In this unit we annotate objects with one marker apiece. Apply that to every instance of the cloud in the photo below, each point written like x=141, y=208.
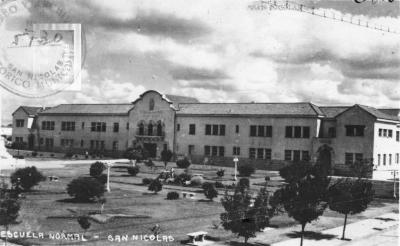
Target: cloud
x=188, y=73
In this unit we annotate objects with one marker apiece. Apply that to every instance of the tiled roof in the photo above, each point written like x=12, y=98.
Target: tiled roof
x=289, y=109
x=391, y=111
x=332, y=111
x=176, y=100
x=94, y=109
x=378, y=114
x=32, y=110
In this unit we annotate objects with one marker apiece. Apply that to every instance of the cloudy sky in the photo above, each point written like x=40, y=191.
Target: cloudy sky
x=221, y=51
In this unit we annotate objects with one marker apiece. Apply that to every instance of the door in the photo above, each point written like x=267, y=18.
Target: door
x=31, y=141
x=151, y=149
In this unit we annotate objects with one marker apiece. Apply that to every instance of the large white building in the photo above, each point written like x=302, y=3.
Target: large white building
x=267, y=135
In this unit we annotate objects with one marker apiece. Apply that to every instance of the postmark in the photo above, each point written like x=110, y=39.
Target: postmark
x=44, y=58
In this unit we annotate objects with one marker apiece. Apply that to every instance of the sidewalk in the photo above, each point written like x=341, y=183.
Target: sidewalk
x=354, y=231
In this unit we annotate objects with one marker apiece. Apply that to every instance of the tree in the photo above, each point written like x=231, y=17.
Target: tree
x=133, y=171
x=183, y=163
x=209, y=191
x=244, y=182
x=304, y=195
x=9, y=209
x=166, y=156
x=362, y=168
x=349, y=196
x=96, y=169
x=137, y=153
x=155, y=186
x=84, y=222
x=26, y=178
x=85, y=189
x=241, y=216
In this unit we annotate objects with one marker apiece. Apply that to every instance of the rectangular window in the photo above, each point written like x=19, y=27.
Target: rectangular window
x=268, y=155
x=178, y=127
x=384, y=133
x=288, y=132
x=261, y=132
x=82, y=142
x=127, y=126
x=398, y=136
x=305, y=156
x=355, y=130
x=67, y=126
x=116, y=127
x=19, y=123
x=49, y=142
x=380, y=132
x=288, y=155
x=379, y=159
x=48, y=125
x=19, y=139
x=237, y=129
x=253, y=131
x=221, y=151
x=83, y=126
x=98, y=126
x=296, y=155
x=306, y=132
x=214, y=129
x=191, y=149
x=222, y=130
x=236, y=151
x=390, y=159
x=208, y=129
x=192, y=129
x=384, y=159
x=397, y=158
x=390, y=133
x=297, y=131
x=252, y=153
x=214, y=150
x=41, y=141
x=115, y=145
x=348, y=158
x=358, y=157
x=260, y=153
x=207, y=151
x=268, y=132
x=67, y=142
x=332, y=132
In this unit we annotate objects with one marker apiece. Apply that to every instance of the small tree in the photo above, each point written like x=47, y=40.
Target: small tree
x=220, y=173
x=85, y=189
x=133, y=171
x=362, y=168
x=9, y=209
x=246, y=170
x=183, y=163
x=26, y=178
x=102, y=201
x=209, y=191
x=304, y=195
x=84, y=222
x=244, y=182
x=96, y=169
x=137, y=153
x=166, y=156
x=155, y=186
x=350, y=197
x=241, y=216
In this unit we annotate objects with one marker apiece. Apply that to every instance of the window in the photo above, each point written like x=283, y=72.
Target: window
x=214, y=129
x=236, y=151
x=67, y=142
x=332, y=132
x=222, y=130
x=398, y=136
x=214, y=150
x=268, y=154
x=260, y=131
x=150, y=130
x=83, y=126
x=237, y=129
x=67, y=126
x=288, y=155
x=390, y=133
x=151, y=104
x=192, y=129
x=178, y=127
x=296, y=155
x=190, y=149
x=98, y=127
x=390, y=159
x=48, y=125
x=41, y=141
x=260, y=153
x=207, y=150
x=305, y=156
x=358, y=157
x=97, y=144
x=384, y=159
x=208, y=129
x=19, y=123
x=116, y=127
x=82, y=142
x=19, y=139
x=397, y=158
x=384, y=133
x=268, y=131
x=49, y=142
x=288, y=132
x=379, y=159
x=253, y=131
x=141, y=129
x=306, y=132
x=127, y=126
x=115, y=145
x=297, y=132
x=221, y=150
x=159, y=129
x=348, y=158
x=380, y=132
x=252, y=153
x=355, y=130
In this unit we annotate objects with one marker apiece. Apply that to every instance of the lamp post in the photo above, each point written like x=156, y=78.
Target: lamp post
x=394, y=172
x=109, y=165
x=235, y=160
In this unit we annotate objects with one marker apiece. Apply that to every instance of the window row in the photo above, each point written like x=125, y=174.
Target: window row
x=260, y=131
x=355, y=130
x=71, y=126
x=215, y=130
x=387, y=159
x=385, y=133
x=350, y=158
x=296, y=155
x=19, y=123
x=260, y=153
x=214, y=150
x=297, y=132
x=150, y=129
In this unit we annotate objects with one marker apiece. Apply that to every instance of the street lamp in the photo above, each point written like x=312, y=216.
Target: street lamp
x=109, y=165
x=235, y=160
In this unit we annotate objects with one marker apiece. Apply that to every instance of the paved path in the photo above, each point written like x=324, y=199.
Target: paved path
x=389, y=237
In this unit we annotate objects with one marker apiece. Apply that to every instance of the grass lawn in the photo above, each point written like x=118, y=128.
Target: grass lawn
x=47, y=209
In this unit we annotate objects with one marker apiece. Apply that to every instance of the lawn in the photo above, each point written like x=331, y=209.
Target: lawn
x=47, y=209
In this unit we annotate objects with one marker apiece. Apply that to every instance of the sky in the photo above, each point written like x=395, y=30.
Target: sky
x=222, y=51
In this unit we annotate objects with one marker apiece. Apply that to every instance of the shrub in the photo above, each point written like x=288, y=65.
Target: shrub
x=220, y=173
x=155, y=186
x=182, y=178
x=147, y=181
x=26, y=178
x=133, y=171
x=166, y=156
x=34, y=153
x=244, y=182
x=51, y=155
x=68, y=155
x=246, y=170
x=196, y=181
x=84, y=222
x=149, y=163
x=209, y=191
x=85, y=189
x=183, y=163
x=96, y=169
x=267, y=178
x=219, y=185
x=172, y=195
x=102, y=178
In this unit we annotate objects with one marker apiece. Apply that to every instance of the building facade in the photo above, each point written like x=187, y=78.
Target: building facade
x=268, y=135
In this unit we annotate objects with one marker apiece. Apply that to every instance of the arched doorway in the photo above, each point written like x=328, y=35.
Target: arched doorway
x=325, y=159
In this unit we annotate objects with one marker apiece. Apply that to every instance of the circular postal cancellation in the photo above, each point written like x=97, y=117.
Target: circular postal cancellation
x=43, y=58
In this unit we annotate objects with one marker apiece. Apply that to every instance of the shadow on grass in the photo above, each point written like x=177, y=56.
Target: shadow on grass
x=311, y=235
x=73, y=200
x=149, y=194
x=384, y=219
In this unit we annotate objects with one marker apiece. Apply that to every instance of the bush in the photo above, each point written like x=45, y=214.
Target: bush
x=96, y=169
x=147, y=181
x=183, y=163
x=219, y=185
x=68, y=155
x=220, y=173
x=244, y=182
x=196, y=181
x=182, y=178
x=102, y=178
x=149, y=163
x=246, y=170
x=155, y=186
x=34, y=153
x=26, y=178
x=172, y=195
x=133, y=171
x=209, y=191
x=85, y=189
x=267, y=178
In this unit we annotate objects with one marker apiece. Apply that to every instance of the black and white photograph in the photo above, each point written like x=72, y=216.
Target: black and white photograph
x=199, y=122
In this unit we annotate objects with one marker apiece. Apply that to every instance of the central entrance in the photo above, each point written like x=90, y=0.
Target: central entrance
x=151, y=149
